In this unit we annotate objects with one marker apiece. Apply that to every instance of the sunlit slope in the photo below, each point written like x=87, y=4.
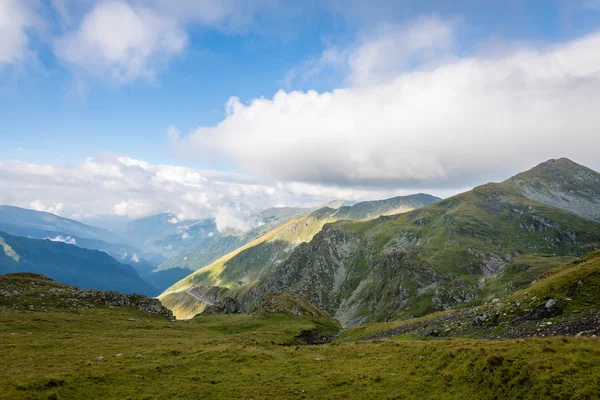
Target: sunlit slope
x=248, y=263
x=482, y=243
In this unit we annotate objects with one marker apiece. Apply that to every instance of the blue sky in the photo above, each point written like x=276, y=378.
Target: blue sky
x=61, y=101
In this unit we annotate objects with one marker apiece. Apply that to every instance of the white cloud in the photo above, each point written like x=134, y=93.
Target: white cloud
x=64, y=239
x=185, y=235
x=120, y=42
x=16, y=18
x=380, y=54
x=236, y=218
x=452, y=122
x=135, y=258
x=39, y=205
x=128, y=187
x=173, y=221
x=393, y=48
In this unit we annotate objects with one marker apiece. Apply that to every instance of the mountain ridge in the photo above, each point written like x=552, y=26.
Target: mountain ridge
x=247, y=263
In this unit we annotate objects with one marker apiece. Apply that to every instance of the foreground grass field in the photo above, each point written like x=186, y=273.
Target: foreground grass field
x=122, y=353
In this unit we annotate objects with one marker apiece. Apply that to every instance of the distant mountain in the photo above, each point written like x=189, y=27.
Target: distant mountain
x=109, y=222
x=216, y=244
x=88, y=269
x=141, y=231
x=254, y=259
x=39, y=221
x=476, y=245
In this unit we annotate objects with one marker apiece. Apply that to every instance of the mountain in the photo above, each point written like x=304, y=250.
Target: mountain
x=39, y=221
x=217, y=244
x=89, y=269
x=476, y=245
x=41, y=225
x=564, y=184
x=248, y=263
x=561, y=302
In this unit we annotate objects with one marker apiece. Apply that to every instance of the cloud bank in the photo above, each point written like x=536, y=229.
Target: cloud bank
x=112, y=185
x=450, y=121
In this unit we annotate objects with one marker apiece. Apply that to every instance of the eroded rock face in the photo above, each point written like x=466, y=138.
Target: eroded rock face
x=228, y=305
x=33, y=292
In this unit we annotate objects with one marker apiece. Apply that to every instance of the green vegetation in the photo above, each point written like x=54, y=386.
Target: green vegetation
x=464, y=250
x=563, y=301
x=57, y=356
x=242, y=268
x=69, y=349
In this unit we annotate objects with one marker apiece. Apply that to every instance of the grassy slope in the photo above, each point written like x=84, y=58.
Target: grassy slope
x=573, y=286
x=448, y=242
x=239, y=269
x=53, y=355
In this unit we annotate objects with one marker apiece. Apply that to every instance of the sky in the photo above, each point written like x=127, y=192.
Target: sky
x=204, y=108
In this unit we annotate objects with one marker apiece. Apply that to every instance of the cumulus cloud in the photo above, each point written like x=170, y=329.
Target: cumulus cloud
x=437, y=125
x=120, y=42
x=63, y=239
x=16, y=19
x=236, y=218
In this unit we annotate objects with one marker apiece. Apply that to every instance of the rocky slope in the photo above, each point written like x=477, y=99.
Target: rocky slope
x=245, y=265
x=30, y=292
x=563, y=302
x=461, y=250
x=564, y=184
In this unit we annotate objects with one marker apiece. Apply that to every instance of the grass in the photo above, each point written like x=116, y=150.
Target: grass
x=53, y=355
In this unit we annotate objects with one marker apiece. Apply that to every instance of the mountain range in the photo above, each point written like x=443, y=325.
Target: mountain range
x=88, y=269
x=246, y=264
x=461, y=250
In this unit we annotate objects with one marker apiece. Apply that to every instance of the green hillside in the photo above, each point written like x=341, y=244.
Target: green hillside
x=563, y=301
x=199, y=253
x=245, y=265
x=462, y=250
x=73, y=351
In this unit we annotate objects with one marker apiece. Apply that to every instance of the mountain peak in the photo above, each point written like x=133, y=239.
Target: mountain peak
x=555, y=170
x=562, y=183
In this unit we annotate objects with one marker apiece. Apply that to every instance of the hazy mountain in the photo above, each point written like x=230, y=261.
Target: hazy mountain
x=88, y=269
x=247, y=263
x=39, y=221
x=217, y=244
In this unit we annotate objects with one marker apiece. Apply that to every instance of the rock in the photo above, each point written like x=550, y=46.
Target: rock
x=228, y=305
x=99, y=358
x=118, y=354
x=495, y=301
x=138, y=355
x=550, y=303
